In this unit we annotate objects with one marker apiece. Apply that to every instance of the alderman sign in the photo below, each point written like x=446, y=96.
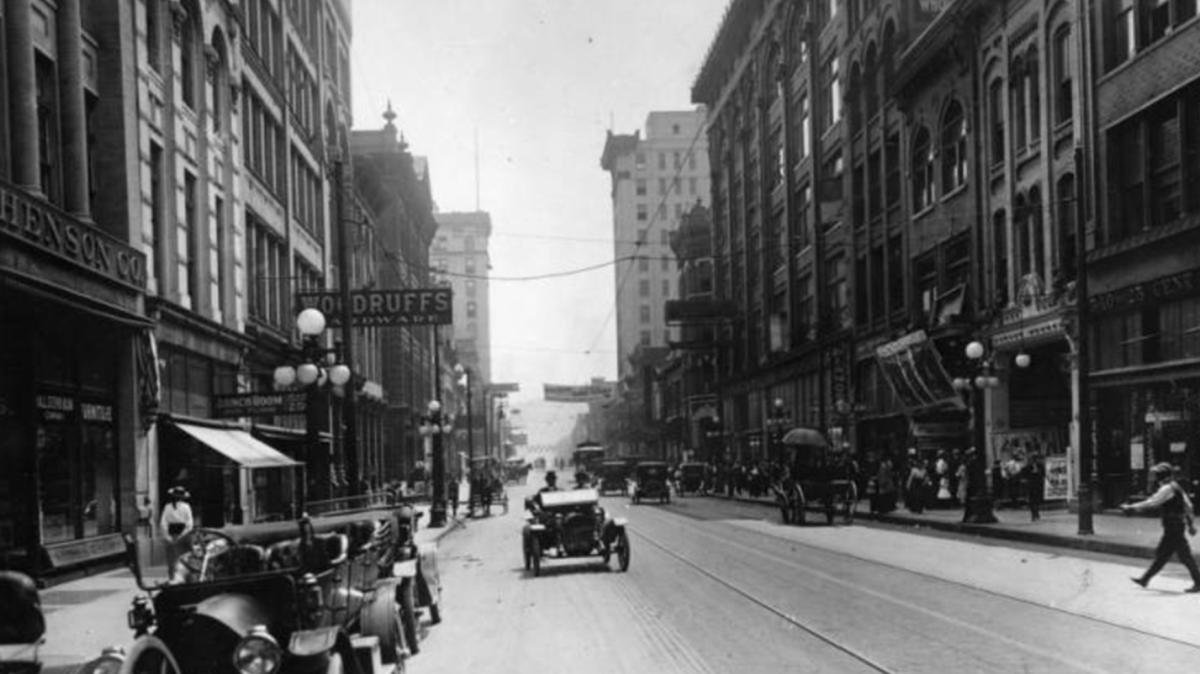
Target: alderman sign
x=370, y=308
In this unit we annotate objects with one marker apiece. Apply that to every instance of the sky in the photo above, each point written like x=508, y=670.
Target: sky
x=538, y=82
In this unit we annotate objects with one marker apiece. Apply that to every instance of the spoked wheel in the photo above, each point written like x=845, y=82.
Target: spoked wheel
x=799, y=509
x=528, y=554
x=606, y=553
x=382, y=619
x=535, y=550
x=623, y=550
x=149, y=656
x=851, y=500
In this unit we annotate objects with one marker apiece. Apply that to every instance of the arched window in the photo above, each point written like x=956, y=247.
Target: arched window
x=218, y=83
x=1037, y=234
x=871, y=83
x=1021, y=237
x=1065, y=198
x=187, y=53
x=1064, y=99
x=996, y=120
x=1000, y=257
x=954, y=148
x=1020, y=135
x=1033, y=94
x=854, y=98
x=922, y=171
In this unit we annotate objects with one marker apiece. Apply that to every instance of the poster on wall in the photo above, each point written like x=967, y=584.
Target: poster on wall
x=1137, y=455
x=1058, y=478
x=1047, y=441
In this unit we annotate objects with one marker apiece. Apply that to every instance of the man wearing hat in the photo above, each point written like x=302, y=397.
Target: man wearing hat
x=1176, y=509
x=177, y=525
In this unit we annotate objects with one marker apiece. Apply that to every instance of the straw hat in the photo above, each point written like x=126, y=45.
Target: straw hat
x=178, y=492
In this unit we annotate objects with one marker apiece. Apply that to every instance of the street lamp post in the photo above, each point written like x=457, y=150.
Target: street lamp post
x=318, y=367
x=436, y=426
x=979, y=378
x=465, y=374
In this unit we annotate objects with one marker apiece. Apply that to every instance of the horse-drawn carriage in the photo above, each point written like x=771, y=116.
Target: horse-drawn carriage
x=814, y=473
x=486, y=486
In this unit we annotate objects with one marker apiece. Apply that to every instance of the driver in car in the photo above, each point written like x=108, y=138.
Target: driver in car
x=551, y=485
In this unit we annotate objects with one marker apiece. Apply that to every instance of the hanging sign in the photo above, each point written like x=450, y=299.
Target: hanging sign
x=373, y=308
x=272, y=403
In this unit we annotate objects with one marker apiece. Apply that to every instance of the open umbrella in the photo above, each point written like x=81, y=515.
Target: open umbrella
x=805, y=437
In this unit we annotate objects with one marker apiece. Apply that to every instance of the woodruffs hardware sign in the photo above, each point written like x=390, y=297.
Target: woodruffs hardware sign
x=417, y=306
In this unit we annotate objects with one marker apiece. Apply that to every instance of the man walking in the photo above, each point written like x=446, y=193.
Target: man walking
x=1176, y=509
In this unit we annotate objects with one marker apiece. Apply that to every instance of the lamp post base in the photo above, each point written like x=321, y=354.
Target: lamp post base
x=437, y=515
x=979, y=511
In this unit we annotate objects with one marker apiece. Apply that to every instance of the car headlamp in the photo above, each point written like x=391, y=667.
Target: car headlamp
x=257, y=653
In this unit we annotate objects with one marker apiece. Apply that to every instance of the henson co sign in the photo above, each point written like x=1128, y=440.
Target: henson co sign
x=371, y=308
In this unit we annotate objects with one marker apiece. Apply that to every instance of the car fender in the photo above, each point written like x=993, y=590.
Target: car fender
x=613, y=528
x=238, y=612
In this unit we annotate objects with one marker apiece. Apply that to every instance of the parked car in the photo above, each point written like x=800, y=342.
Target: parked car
x=571, y=523
x=293, y=596
x=651, y=481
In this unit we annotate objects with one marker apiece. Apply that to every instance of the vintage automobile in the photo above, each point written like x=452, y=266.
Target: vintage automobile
x=486, y=486
x=571, y=523
x=651, y=480
x=814, y=474
x=692, y=479
x=335, y=593
x=613, y=476
x=22, y=624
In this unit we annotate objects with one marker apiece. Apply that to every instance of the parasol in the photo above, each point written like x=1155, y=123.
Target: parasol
x=805, y=437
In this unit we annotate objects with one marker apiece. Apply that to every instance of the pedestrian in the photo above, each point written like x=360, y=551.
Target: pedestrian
x=452, y=493
x=176, y=525
x=885, y=486
x=1034, y=474
x=916, y=484
x=1176, y=510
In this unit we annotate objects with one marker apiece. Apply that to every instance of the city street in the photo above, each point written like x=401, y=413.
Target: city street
x=719, y=586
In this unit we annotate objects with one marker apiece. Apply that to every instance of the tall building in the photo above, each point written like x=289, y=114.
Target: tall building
x=655, y=179
x=460, y=258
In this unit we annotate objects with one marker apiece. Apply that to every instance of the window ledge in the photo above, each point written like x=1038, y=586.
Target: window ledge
x=923, y=212
x=952, y=194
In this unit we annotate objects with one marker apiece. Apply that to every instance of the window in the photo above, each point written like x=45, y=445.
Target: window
x=215, y=256
x=641, y=187
x=665, y=263
x=692, y=186
x=892, y=168
x=666, y=288
x=803, y=134
x=874, y=187
x=1124, y=35
x=187, y=59
x=831, y=99
x=1066, y=227
x=191, y=220
x=472, y=309
x=996, y=119
x=954, y=148
x=839, y=300
x=644, y=288
x=926, y=279
x=862, y=303
x=678, y=157
x=858, y=210
x=662, y=161
x=922, y=171
x=1034, y=94
x=878, y=291
x=640, y=160
x=645, y=338
x=154, y=48
x=643, y=263
x=803, y=206
x=1164, y=163
x=1000, y=257
x=157, y=204
x=641, y=236
x=642, y=212
x=1063, y=93
x=805, y=311
x=662, y=186
x=470, y=284
x=895, y=273
x=48, y=144
x=644, y=314
x=1128, y=175
x=664, y=237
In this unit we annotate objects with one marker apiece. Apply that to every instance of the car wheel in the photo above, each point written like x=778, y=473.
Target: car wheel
x=381, y=618
x=536, y=552
x=606, y=553
x=623, y=550
x=408, y=615
x=150, y=656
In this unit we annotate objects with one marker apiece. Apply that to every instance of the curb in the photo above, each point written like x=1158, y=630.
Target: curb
x=1089, y=544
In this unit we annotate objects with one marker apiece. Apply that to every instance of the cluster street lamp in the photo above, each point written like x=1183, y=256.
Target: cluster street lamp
x=777, y=423
x=318, y=367
x=435, y=426
x=979, y=378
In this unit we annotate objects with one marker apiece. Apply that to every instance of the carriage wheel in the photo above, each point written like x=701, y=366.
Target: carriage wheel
x=623, y=550
x=536, y=552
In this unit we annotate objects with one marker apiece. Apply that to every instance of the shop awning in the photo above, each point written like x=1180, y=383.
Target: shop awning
x=239, y=446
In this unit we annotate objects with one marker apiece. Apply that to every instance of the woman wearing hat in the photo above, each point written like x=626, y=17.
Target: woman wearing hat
x=177, y=525
x=1176, y=509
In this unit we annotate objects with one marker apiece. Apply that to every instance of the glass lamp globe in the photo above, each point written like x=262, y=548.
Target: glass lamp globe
x=974, y=350
x=981, y=382
x=285, y=376
x=434, y=407
x=1022, y=360
x=339, y=374
x=994, y=381
x=308, y=373
x=310, y=322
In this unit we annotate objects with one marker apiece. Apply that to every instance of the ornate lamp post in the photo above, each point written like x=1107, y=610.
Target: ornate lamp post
x=464, y=374
x=979, y=378
x=318, y=367
x=436, y=426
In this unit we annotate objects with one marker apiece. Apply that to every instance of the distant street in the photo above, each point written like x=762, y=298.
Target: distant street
x=716, y=586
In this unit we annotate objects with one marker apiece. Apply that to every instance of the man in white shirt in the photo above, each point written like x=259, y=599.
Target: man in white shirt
x=1176, y=508
x=176, y=525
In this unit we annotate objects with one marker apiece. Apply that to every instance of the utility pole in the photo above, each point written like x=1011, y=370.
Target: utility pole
x=349, y=413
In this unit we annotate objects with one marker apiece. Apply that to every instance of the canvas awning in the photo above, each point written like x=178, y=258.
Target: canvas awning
x=239, y=446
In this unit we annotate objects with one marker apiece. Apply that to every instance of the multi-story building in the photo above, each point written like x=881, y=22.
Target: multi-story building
x=460, y=258
x=1143, y=217
x=395, y=189
x=654, y=180
x=77, y=381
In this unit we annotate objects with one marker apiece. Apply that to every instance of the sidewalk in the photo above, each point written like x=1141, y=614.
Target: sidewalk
x=1114, y=534
x=87, y=614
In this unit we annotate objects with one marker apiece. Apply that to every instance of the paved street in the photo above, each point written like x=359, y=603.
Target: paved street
x=719, y=586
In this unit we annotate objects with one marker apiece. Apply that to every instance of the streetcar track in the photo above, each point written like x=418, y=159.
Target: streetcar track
x=949, y=581
x=854, y=653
